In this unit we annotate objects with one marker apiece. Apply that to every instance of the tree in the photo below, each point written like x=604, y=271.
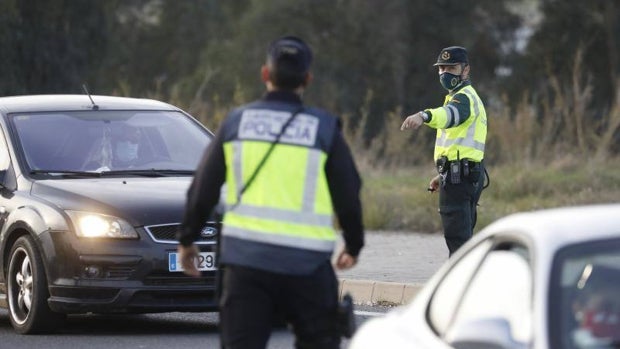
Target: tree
x=51, y=46
x=374, y=56
x=552, y=49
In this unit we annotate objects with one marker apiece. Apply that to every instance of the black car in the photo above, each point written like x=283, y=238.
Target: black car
x=93, y=190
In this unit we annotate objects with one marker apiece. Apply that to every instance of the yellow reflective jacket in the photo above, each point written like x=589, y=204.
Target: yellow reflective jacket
x=288, y=204
x=464, y=139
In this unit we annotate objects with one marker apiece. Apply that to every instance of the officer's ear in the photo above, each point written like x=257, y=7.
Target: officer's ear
x=264, y=73
x=307, y=79
x=465, y=71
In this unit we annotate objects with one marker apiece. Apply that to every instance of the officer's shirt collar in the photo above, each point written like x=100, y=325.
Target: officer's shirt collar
x=460, y=87
x=283, y=96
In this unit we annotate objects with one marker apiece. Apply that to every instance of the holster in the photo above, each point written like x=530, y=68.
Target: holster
x=442, y=165
x=346, y=317
x=474, y=171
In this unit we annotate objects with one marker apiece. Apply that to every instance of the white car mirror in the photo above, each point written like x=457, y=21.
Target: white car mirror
x=487, y=333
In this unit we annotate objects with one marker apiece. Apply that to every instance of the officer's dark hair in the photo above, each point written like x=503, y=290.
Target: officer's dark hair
x=286, y=77
x=289, y=59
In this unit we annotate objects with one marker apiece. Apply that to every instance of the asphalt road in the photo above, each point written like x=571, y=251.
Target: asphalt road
x=152, y=331
x=388, y=256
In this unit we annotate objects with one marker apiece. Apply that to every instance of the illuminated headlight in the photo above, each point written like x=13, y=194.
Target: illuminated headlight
x=92, y=225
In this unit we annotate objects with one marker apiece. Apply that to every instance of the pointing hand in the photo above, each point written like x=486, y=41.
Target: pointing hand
x=412, y=121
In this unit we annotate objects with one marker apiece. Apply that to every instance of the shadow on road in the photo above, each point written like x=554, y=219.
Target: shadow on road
x=133, y=324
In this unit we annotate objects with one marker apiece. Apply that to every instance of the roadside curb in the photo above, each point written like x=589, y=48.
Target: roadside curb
x=368, y=292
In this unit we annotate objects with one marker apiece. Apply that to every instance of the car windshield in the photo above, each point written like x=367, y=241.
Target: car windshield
x=587, y=314
x=101, y=142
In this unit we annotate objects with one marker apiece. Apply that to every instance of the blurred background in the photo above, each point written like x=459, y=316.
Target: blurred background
x=548, y=71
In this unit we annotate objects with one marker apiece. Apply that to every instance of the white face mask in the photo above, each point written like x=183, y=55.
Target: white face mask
x=126, y=151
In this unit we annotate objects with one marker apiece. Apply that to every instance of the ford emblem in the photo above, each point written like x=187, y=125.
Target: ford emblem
x=208, y=232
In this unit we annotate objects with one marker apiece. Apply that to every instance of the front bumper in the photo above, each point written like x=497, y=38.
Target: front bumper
x=121, y=276
x=73, y=300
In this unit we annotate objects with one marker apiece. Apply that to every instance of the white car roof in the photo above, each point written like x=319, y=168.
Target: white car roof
x=557, y=227
x=39, y=103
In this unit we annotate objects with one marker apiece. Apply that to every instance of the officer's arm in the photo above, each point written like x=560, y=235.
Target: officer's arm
x=454, y=113
x=344, y=186
x=204, y=192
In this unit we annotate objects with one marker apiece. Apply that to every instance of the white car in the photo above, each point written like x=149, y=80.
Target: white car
x=544, y=279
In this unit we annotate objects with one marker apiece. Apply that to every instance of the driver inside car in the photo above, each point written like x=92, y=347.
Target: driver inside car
x=118, y=148
x=126, y=146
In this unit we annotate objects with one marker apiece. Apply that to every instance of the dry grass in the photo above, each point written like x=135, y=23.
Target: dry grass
x=398, y=200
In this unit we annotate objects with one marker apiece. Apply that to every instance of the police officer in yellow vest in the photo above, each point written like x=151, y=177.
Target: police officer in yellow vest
x=287, y=170
x=461, y=125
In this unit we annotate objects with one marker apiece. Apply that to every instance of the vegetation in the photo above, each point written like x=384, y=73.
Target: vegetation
x=552, y=88
x=398, y=200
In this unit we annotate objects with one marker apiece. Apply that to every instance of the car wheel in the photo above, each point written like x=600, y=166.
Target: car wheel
x=27, y=290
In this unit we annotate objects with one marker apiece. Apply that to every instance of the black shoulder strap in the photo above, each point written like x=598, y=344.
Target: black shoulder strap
x=266, y=156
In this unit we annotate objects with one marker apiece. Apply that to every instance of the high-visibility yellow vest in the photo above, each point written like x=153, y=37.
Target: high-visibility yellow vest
x=288, y=204
x=466, y=140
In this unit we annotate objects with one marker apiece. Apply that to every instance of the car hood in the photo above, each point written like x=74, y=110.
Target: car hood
x=140, y=201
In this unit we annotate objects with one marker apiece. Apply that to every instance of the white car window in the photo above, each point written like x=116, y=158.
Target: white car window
x=446, y=297
x=500, y=290
x=586, y=280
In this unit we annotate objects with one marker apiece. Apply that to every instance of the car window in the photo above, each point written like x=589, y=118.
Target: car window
x=109, y=140
x=585, y=296
x=501, y=289
x=447, y=295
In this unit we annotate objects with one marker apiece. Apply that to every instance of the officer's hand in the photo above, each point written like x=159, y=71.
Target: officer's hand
x=434, y=184
x=187, y=256
x=345, y=260
x=412, y=121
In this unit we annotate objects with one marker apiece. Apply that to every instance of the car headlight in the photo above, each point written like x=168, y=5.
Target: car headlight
x=93, y=225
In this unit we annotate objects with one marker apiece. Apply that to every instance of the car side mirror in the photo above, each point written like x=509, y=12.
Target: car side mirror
x=7, y=179
x=487, y=333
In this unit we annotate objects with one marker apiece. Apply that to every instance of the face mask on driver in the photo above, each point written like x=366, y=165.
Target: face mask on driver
x=126, y=151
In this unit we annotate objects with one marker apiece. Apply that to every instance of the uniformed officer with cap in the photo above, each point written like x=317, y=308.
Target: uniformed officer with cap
x=287, y=170
x=461, y=125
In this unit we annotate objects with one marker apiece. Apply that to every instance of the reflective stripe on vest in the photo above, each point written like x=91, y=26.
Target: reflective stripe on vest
x=464, y=142
x=288, y=206
x=280, y=239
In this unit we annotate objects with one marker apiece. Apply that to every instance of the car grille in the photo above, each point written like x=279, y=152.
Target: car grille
x=166, y=233
x=179, y=280
x=114, y=272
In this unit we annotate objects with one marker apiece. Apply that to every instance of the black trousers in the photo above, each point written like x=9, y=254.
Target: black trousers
x=457, y=207
x=253, y=299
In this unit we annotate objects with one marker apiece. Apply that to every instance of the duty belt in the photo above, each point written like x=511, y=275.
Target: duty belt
x=456, y=170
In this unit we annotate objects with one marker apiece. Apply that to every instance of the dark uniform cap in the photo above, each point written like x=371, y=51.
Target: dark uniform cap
x=290, y=50
x=452, y=55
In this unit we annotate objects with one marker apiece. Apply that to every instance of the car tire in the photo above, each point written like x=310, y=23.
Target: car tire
x=27, y=290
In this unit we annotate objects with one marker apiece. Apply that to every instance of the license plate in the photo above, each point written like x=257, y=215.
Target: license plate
x=205, y=261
